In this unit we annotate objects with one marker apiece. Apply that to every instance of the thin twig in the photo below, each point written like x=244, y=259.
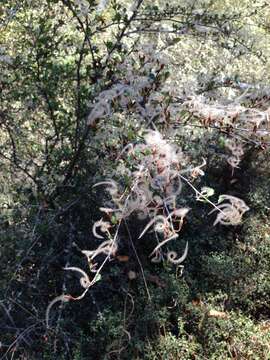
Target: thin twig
x=139, y=261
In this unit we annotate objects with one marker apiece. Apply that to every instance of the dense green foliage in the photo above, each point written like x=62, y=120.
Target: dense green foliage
x=80, y=81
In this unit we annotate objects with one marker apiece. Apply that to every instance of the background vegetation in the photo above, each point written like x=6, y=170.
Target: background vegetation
x=79, y=81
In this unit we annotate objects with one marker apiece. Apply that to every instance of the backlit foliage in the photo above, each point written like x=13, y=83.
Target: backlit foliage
x=133, y=143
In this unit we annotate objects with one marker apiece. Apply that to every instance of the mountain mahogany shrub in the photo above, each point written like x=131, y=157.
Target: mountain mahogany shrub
x=132, y=84
x=54, y=66
x=153, y=169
